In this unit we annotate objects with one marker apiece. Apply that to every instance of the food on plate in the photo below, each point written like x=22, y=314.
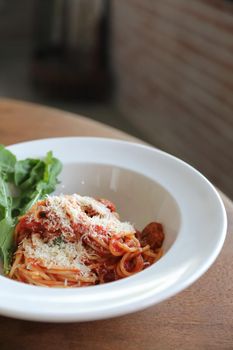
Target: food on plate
x=76, y=241
x=66, y=240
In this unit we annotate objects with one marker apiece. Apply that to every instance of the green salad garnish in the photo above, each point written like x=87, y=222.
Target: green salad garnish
x=22, y=183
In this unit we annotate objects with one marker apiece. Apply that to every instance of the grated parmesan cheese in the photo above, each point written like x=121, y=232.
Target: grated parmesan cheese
x=61, y=216
x=71, y=209
x=64, y=255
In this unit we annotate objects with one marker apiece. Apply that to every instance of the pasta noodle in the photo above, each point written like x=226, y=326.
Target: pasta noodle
x=75, y=241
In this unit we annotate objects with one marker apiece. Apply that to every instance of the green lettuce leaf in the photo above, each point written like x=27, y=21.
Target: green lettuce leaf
x=22, y=183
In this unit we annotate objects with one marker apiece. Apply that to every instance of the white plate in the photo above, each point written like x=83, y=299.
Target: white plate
x=147, y=185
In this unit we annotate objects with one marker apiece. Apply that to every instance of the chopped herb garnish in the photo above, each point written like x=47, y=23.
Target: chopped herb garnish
x=58, y=241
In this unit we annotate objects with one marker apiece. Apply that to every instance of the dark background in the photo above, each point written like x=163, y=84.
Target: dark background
x=160, y=70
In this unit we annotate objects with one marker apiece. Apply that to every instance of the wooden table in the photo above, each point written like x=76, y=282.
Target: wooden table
x=201, y=317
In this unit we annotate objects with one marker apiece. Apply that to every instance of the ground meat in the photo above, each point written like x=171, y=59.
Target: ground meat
x=152, y=234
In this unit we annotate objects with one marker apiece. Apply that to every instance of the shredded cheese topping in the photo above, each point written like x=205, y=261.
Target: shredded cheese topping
x=66, y=210
x=52, y=255
x=62, y=214
x=75, y=205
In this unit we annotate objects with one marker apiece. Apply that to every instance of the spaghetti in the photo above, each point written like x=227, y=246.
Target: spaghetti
x=75, y=241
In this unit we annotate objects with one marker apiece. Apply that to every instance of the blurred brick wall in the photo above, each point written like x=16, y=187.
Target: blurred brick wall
x=174, y=67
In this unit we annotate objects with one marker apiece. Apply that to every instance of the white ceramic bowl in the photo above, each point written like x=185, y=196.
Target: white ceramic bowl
x=146, y=185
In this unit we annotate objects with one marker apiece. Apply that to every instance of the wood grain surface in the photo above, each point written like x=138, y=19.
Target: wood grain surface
x=201, y=317
x=20, y=121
